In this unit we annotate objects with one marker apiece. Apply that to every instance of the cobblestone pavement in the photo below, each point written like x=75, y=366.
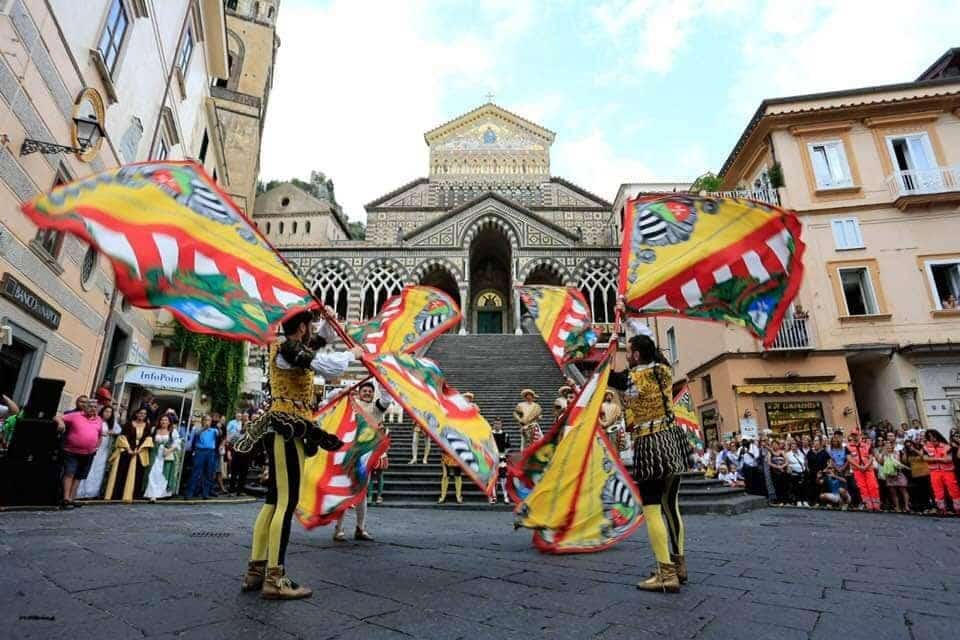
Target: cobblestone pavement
x=173, y=571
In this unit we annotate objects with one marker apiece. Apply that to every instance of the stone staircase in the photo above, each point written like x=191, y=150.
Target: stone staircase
x=495, y=368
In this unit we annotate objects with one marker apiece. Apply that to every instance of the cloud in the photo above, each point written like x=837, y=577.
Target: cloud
x=814, y=46
x=593, y=163
x=352, y=95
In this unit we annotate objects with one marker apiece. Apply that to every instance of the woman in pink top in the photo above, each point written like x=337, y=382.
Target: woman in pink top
x=82, y=433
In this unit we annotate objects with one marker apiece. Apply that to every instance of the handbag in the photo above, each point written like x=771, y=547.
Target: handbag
x=664, y=453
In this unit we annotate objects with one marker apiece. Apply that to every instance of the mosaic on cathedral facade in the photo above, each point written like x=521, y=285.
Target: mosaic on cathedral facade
x=488, y=216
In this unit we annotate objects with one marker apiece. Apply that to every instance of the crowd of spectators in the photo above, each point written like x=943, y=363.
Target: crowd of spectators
x=905, y=470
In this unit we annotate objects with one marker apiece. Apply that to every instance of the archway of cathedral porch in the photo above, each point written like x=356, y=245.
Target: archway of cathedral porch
x=491, y=280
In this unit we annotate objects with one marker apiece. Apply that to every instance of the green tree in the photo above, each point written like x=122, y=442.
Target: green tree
x=707, y=182
x=221, y=364
x=358, y=230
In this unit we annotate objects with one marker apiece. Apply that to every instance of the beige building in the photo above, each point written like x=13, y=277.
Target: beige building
x=291, y=218
x=241, y=99
x=142, y=71
x=874, y=175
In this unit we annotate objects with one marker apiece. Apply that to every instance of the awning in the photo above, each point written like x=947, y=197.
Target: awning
x=793, y=387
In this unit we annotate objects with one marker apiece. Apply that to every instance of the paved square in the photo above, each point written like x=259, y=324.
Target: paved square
x=173, y=571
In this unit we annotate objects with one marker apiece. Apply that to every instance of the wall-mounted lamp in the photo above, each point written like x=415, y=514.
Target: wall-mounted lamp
x=88, y=130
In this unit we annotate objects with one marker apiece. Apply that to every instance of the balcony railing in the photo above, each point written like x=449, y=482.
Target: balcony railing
x=794, y=334
x=763, y=195
x=924, y=181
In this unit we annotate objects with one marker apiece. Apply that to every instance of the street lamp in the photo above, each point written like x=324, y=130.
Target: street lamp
x=88, y=133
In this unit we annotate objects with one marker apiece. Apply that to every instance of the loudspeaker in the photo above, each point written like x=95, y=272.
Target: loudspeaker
x=32, y=483
x=35, y=440
x=44, y=399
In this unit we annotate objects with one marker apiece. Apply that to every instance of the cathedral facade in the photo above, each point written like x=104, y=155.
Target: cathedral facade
x=488, y=216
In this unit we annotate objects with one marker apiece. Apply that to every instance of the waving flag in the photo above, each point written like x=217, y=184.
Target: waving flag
x=718, y=259
x=687, y=417
x=176, y=241
x=585, y=501
x=407, y=321
x=451, y=420
x=524, y=474
x=562, y=316
x=334, y=481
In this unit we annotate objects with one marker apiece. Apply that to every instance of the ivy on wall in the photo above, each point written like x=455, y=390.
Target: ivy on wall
x=221, y=364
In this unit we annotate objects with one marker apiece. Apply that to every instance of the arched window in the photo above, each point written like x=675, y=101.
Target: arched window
x=333, y=288
x=308, y=226
x=382, y=283
x=268, y=228
x=294, y=230
x=270, y=12
x=599, y=287
x=281, y=228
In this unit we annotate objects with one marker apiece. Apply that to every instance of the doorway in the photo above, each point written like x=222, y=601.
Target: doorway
x=491, y=279
x=20, y=363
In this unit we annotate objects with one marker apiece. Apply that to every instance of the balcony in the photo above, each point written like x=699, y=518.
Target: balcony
x=768, y=195
x=924, y=186
x=794, y=335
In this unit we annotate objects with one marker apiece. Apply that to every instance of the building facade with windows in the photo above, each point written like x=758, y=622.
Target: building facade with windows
x=142, y=70
x=488, y=216
x=874, y=334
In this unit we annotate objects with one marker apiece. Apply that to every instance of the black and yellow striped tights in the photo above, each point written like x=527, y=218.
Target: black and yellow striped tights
x=271, y=531
x=661, y=503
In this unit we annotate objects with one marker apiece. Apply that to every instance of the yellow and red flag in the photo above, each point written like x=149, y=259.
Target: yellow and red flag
x=687, y=418
x=334, y=481
x=407, y=321
x=562, y=316
x=720, y=259
x=177, y=241
x=585, y=501
x=451, y=420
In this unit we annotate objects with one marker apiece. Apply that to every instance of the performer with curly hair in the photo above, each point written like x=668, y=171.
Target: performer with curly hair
x=288, y=435
x=660, y=451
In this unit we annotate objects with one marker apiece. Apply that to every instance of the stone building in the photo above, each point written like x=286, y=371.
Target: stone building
x=142, y=70
x=487, y=216
x=240, y=100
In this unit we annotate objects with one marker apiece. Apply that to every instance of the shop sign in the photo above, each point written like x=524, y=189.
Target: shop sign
x=14, y=290
x=162, y=378
x=708, y=420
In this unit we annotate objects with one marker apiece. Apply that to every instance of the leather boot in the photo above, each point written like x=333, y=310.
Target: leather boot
x=444, y=484
x=253, y=579
x=680, y=562
x=665, y=580
x=277, y=586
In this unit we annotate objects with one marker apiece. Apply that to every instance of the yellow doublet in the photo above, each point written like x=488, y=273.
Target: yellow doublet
x=646, y=399
x=292, y=389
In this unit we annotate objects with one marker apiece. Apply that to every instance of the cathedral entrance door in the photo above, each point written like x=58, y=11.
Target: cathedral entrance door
x=489, y=309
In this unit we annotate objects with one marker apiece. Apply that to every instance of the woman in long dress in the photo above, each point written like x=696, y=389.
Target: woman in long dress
x=130, y=459
x=93, y=484
x=165, y=466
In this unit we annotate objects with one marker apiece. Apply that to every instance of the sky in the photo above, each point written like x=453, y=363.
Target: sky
x=636, y=90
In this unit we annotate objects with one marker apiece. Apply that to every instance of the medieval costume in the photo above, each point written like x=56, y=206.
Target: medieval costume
x=417, y=431
x=563, y=399
x=130, y=460
x=376, y=409
x=527, y=413
x=660, y=454
x=942, y=479
x=166, y=456
x=449, y=467
x=92, y=485
x=288, y=434
x=611, y=419
x=377, y=469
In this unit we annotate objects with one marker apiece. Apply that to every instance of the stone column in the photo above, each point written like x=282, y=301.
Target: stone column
x=515, y=298
x=465, y=309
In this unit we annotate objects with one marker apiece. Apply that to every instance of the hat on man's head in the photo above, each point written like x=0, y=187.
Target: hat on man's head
x=468, y=395
x=524, y=393
x=565, y=389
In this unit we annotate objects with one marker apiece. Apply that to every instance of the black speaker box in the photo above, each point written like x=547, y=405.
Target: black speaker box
x=44, y=399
